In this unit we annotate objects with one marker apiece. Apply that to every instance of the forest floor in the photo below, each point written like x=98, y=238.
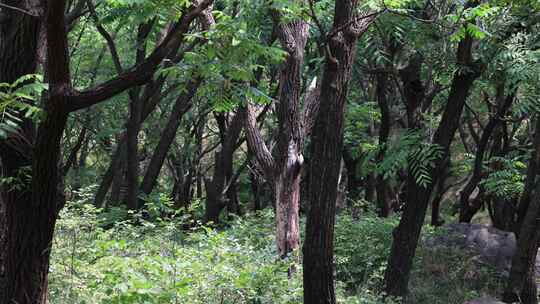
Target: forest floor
x=158, y=262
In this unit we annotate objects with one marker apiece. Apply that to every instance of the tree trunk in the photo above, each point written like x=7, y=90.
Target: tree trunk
x=284, y=171
x=522, y=283
x=438, y=194
x=327, y=147
x=407, y=233
x=132, y=176
x=181, y=106
x=31, y=221
x=219, y=187
x=19, y=35
x=113, y=170
x=504, y=106
x=381, y=186
x=351, y=165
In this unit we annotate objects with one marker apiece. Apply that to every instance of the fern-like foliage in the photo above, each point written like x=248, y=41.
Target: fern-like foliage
x=17, y=102
x=410, y=152
x=506, y=177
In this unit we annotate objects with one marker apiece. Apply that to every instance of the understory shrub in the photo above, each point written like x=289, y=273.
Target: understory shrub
x=118, y=257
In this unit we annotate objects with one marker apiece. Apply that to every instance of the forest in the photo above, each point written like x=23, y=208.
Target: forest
x=269, y=151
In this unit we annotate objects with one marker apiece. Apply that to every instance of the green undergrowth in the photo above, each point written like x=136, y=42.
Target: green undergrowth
x=162, y=261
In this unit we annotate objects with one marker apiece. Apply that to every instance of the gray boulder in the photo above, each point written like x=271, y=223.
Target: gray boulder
x=487, y=245
x=484, y=300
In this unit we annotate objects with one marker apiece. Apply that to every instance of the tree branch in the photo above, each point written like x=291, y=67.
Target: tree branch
x=18, y=10
x=141, y=73
x=256, y=143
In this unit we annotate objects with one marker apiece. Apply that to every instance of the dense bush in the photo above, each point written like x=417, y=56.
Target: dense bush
x=160, y=261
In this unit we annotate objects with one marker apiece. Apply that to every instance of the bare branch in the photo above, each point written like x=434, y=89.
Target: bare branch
x=18, y=10
x=256, y=142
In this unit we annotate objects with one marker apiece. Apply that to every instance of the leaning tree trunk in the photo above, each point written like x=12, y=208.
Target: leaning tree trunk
x=522, y=283
x=327, y=145
x=407, y=233
x=181, y=106
x=466, y=210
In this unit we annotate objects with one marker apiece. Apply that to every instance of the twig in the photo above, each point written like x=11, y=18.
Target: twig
x=18, y=10
x=315, y=19
x=358, y=18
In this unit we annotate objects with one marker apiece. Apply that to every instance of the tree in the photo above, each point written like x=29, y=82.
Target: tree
x=417, y=195
x=32, y=220
x=326, y=148
x=521, y=284
x=283, y=169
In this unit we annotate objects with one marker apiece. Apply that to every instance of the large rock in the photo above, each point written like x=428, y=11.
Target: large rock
x=489, y=246
x=485, y=300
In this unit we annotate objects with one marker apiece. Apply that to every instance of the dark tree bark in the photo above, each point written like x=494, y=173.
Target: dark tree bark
x=112, y=171
x=152, y=95
x=353, y=181
x=521, y=284
x=438, y=195
x=134, y=125
x=31, y=221
x=72, y=157
x=407, y=233
x=466, y=211
x=383, y=201
x=132, y=176
x=182, y=192
x=218, y=189
x=117, y=196
x=284, y=170
x=19, y=35
x=181, y=106
x=327, y=147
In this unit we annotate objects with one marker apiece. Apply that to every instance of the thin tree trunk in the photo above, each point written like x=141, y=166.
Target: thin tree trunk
x=504, y=106
x=351, y=165
x=381, y=185
x=181, y=106
x=407, y=233
x=132, y=176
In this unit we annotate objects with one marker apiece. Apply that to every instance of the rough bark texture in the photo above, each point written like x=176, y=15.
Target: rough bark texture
x=31, y=223
x=284, y=170
x=327, y=145
x=289, y=159
x=19, y=35
x=31, y=220
x=522, y=283
x=408, y=231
